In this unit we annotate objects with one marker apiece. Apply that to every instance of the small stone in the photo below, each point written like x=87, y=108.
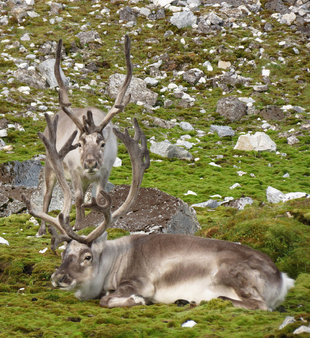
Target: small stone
x=291, y=140
x=224, y=64
x=186, y=126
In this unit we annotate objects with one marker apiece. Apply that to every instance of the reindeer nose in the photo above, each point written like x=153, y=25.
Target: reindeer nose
x=90, y=164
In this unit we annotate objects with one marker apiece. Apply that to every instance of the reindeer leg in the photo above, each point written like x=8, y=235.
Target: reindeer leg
x=129, y=293
x=245, y=303
x=79, y=201
x=49, y=183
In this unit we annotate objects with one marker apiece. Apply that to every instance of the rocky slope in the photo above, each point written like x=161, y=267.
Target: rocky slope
x=222, y=91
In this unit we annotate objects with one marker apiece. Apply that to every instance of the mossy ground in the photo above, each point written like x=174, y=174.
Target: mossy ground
x=29, y=305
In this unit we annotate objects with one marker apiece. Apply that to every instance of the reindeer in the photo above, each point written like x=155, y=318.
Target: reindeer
x=156, y=268
x=97, y=144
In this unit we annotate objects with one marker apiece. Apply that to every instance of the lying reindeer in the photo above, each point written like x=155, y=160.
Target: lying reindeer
x=156, y=268
x=93, y=160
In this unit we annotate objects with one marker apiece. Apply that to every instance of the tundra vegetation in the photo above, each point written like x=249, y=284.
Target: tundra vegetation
x=29, y=304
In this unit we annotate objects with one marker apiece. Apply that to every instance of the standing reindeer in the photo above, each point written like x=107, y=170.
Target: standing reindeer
x=94, y=158
x=156, y=268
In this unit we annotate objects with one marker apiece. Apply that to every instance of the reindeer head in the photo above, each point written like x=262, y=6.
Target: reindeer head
x=79, y=263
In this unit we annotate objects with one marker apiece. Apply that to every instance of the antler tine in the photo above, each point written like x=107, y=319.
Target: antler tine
x=88, y=123
x=63, y=94
x=119, y=103
x=140, y=161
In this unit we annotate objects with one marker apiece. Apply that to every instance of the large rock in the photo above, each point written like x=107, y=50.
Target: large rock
x=18, y=173
x=88, y=37
x=258, y=142
x=275, y=196
x=155, y=211
x=47, y=70
x=272, y=113
x=231, y=108
x=168, y=150
x=183, y=19
x=31, y=78
x=222, y=131
x=137, y=89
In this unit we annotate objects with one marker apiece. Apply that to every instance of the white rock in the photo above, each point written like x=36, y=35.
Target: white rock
x=186, y=144
x=151, y=81
x=215, y=165
x=43, y=250
x=288, y=18
x=190, y=192
x=162, y=3
x=117, y=162
x=274, y=195
x=208, y=65
x=291, y=140
x=24, y=90
x=189, y=323
x=286, y=321
x=3, y=133
x=208, y=204
x=25, y=37
x=234, y=186
x=183, y=19
x=302, y=329
x=186, y=126
x=241, y=173
x=265, y=72
x=4, y=241
x=294, y=195
x=258, y=142
x=224, y=64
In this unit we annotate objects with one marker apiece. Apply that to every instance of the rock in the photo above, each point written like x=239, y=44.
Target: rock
x=291, y=140
x=151, y=82
x=162, y=123
x=168, y=150
x=31, y=78
x=137, y=88
x=208, y=65
x=189, y=323
x=212, y=204
x=193, y=75
x=127, y=14
x=162, y=3
x=3, y=133
x=4, y=20
x=4, y=241
x=288, y=320
x=155, y=211
x=24, y=174
x=239, y=203
x=46, y=68
x=231, y=108
x=88, y=37
x=224, y=64
x=302, y=329
x=272, y=113
x=275, y=196
x=186, y=126
x=230, y=81
x=183, y=19
x=258, y=142
x=222, y=131
x=288, y=18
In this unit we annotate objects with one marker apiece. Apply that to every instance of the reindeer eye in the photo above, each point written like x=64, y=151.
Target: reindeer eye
x=102, y=145
x=88, y=258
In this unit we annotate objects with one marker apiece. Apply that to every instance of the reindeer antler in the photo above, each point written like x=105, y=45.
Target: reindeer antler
x=120, y=103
